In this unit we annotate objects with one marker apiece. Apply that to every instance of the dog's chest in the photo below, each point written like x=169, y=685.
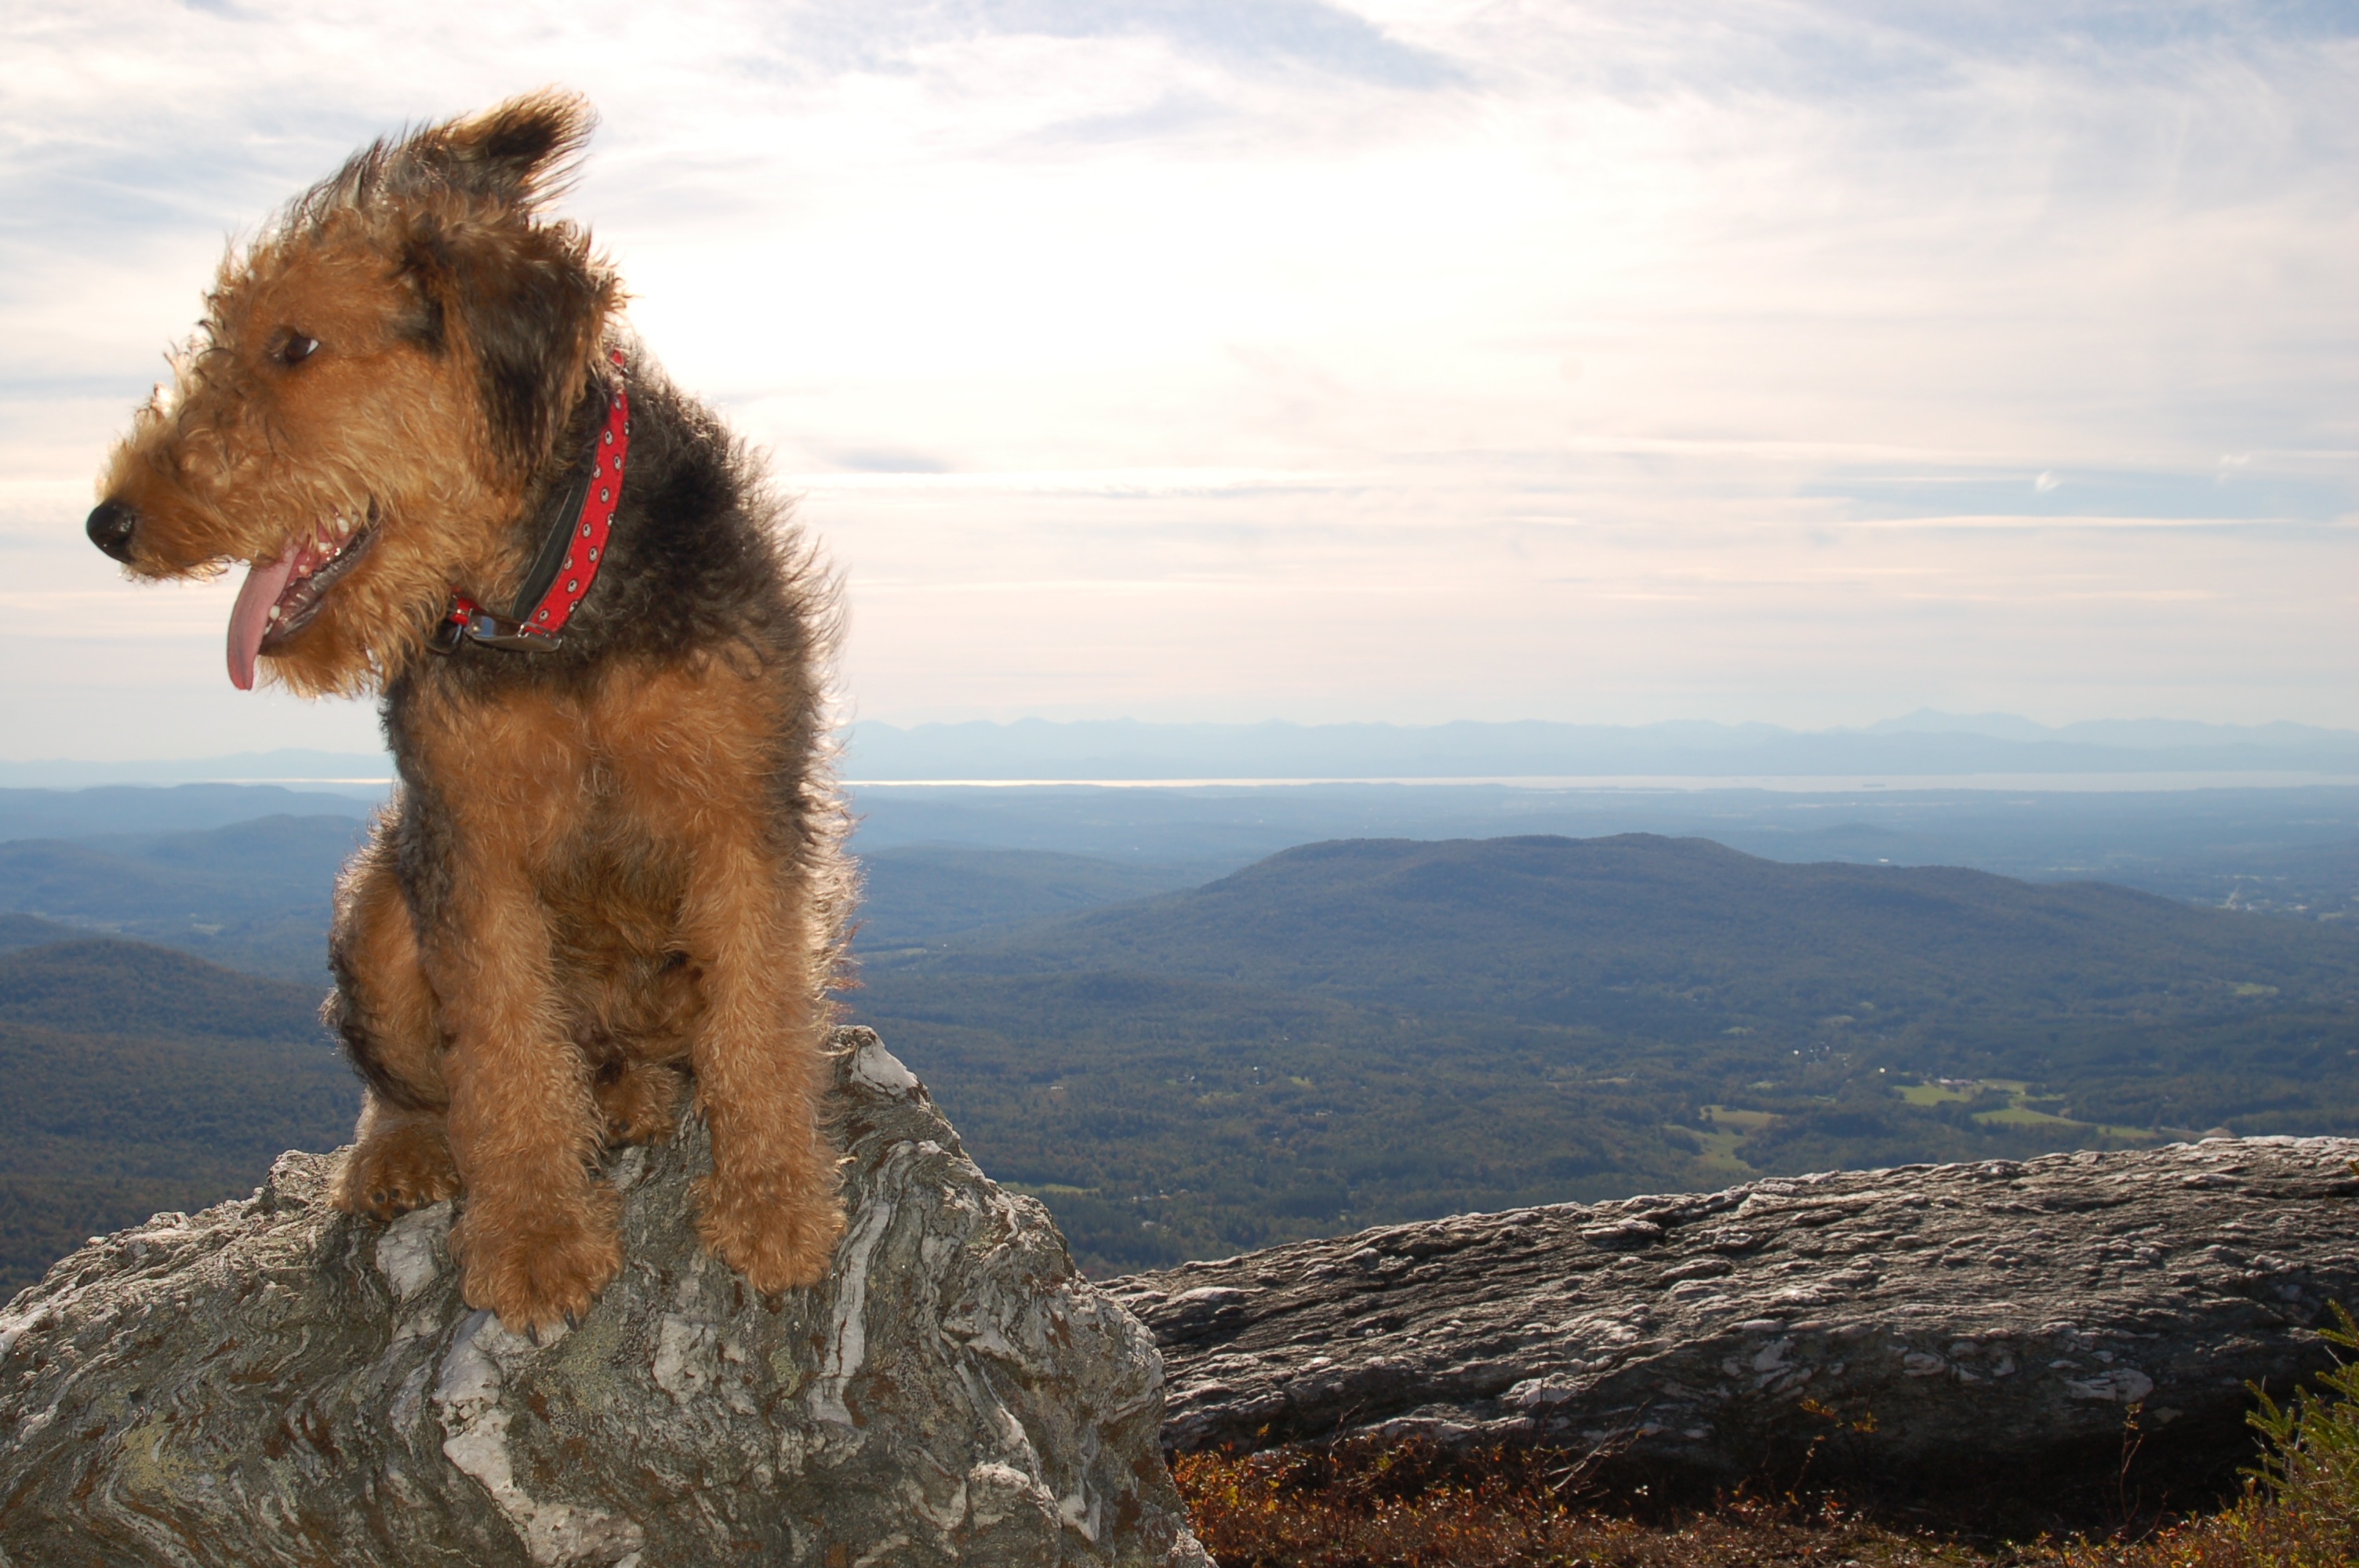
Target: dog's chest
x=615, y=798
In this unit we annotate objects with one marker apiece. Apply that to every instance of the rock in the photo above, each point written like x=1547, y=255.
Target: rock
x=270, y=1382
x=1927, y=1323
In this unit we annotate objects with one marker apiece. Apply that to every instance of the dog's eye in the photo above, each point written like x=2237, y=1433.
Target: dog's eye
x=294, y=347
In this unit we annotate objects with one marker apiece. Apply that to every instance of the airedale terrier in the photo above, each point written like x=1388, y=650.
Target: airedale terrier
x=614, y=859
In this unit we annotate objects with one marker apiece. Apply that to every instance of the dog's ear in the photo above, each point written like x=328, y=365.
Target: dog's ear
x=524, y=299
x=520, y=154
x=528, y=304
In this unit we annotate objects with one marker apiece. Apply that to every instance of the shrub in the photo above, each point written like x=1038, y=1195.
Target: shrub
x=2301, y=1507
x=1362, y=1503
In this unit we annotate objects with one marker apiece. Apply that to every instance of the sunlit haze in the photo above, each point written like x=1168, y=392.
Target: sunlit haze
x=1254, y=359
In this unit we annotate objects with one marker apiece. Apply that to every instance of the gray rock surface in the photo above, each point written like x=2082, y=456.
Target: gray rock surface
x=270, y=1382
x=1927, y=1321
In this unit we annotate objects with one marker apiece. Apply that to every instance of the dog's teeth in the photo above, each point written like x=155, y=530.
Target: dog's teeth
x=273, y=612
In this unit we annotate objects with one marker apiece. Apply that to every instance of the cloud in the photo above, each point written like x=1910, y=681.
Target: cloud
x=1213, y=359
x=1248, y=34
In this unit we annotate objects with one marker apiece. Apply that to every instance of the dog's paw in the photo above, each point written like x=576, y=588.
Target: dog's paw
x=393, y=1171
x=538, y=1267
x=640, y=1103
x=780, y=1240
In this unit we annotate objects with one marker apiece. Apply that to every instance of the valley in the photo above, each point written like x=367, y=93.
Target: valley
x=1371, y=1030
x=1189, y=1044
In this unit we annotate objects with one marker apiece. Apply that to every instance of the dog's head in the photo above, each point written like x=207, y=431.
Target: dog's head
x=378, y=378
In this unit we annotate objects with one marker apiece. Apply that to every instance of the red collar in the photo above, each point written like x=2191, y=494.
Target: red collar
x=570, y=555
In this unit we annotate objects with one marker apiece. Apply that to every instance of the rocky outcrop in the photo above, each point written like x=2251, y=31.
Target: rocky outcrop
x=270, y=1382
x=2004, y=1320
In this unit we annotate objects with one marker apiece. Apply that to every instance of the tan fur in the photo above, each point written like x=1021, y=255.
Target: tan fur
x=589, y=893
x=208, y=465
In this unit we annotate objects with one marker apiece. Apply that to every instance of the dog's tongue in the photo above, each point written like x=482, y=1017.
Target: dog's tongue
x=264, y=582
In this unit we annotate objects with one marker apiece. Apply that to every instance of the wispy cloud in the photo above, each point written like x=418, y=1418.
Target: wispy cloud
x=1459, y=331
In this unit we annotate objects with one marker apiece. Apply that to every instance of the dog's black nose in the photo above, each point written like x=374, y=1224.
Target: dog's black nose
x=110, y=525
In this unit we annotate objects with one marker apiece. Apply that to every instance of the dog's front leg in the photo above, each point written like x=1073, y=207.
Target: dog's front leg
x=772, y=1208
x=384, y=1010
x=538, y=1237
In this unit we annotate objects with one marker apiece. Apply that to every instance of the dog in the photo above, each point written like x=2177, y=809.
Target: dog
x=613, y=862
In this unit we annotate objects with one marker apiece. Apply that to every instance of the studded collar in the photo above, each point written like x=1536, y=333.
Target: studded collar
x=581, y=517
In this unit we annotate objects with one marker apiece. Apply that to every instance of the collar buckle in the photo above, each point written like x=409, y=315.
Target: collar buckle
x=471, y=622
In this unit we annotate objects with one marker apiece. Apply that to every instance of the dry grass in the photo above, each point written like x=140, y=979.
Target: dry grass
x=1365, y=1505
x=2259, y=1533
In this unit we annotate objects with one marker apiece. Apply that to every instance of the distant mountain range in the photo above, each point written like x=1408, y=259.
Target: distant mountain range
x=1926, y=744
x=340, y=773
x=116, y=809
x=1922, y=744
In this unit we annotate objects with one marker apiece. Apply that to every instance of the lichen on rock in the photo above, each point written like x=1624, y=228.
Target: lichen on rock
x=2022, y=1323
x=272, y=1382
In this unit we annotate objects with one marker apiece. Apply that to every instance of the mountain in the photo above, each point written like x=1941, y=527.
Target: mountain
x=1683, y=937
x=1340, y=1033
x=1933, y=722
x=145, y=809
x=141, y=1079
x=254, y=895
x=1923, y=745
x=363, y=774
x=1360, y=1032
x=1926, y=742
x=101, y=986
x=922, y=892
x=2283, y=851
x=2139, y=734
x=30, y=931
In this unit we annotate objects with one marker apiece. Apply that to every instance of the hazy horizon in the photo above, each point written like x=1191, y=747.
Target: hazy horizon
x=1404, y=360
x=1915, y=743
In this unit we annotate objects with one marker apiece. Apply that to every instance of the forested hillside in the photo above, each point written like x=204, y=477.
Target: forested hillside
x=1356, y=1032
x=921, y=894
x=140, y=1079
x=1343, y=1034
x=248, y=895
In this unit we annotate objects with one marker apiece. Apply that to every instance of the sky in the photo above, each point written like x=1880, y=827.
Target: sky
x=1331, y=360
